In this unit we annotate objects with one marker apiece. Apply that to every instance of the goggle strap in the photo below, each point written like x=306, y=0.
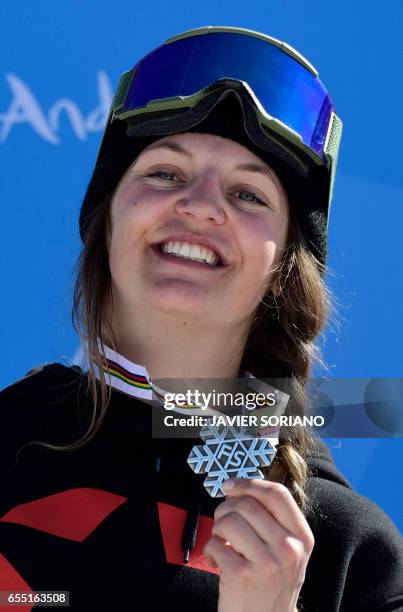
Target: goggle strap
x=122, y=90
x=331, y=149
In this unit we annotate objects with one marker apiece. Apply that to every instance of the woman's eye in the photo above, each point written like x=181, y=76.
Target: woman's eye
x=164, y=174
x=244, y=195
x=250, y=197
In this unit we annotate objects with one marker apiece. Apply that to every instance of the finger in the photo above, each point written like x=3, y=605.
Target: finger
x=259, y=519
x=277, y=499
x=223, y=556
x=244, y=540
x=211, y=562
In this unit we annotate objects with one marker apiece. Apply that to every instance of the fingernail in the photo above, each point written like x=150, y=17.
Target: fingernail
x=227, y=485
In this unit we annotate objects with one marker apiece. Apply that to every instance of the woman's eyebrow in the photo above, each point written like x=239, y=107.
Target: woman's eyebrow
x=172, y=146
x=265, y=170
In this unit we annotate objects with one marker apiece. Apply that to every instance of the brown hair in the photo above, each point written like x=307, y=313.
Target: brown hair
x=281, y=346
x=280, y=343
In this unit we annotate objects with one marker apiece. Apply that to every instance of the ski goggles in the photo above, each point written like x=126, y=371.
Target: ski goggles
x=289, y=98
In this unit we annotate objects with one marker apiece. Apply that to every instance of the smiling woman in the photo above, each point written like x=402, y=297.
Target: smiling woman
x=204, y=232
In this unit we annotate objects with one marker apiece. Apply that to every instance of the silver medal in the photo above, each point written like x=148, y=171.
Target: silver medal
x=229, y=452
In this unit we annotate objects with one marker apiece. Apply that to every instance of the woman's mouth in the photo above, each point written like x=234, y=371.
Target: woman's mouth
x=191, y=256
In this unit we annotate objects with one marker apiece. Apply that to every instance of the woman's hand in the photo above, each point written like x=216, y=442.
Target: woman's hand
x=261, y=543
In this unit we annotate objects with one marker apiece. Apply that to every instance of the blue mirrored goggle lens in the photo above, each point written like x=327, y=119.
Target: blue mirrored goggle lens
x=285, y=88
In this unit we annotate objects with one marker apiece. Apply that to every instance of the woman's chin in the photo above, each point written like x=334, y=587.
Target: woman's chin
x=181, y=297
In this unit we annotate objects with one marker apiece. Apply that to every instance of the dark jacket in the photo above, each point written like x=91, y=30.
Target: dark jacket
x=107, y=522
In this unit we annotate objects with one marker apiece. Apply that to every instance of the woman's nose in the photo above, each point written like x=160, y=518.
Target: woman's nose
x=203, y=200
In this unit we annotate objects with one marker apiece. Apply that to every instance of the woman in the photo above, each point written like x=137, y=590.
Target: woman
x=204, y=233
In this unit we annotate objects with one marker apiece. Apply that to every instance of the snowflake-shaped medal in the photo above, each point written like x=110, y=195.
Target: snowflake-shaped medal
x=229, y=452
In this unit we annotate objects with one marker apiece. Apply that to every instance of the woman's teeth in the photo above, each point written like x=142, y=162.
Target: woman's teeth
x=195, y=252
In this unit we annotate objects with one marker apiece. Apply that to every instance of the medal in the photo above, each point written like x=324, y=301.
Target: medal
x=229, y=452
x=237, y=452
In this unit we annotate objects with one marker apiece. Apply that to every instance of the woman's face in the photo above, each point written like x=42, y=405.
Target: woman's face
x=197, y=190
